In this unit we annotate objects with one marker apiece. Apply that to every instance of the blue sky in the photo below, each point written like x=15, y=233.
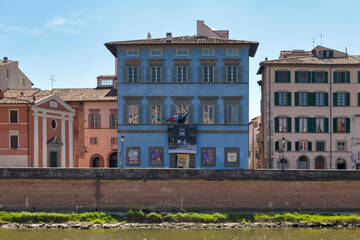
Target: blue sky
x=66, y=38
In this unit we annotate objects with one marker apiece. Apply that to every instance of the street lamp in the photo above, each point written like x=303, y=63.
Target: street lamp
x=122, y=138
x=283, y=142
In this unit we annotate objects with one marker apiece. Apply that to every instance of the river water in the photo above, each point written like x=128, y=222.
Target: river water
x=139, y=234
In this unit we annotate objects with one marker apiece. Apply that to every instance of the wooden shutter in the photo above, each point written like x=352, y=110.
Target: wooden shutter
x=98, y=116
x=89, y=120
x=148, y=75
x=331, y=54
x=163, y=73
x=347, y=125
x=139, y=69
x=326, y=99
x=324, y=53
x=288, y=98
x=297, y=146
x=276, y=124
x=308, y=79
x=189, y=74
x=297, y=124
x=201, y=113
x=288, y=146
x=216, y=113
x=148, y=114
x=326, y=77
x=347, y=99
x=239, y=112
x=174, y=75
x=125, y=74
x=326, y=125
x=358, y=76
x=125, y=114
x=334, y=125
x=311, y=125
x=163, y=113
x=335, y=99
x=358, y=99
x=110, y=121
x=335, y=77
x=201, y=73
x=239, y=72
x=140, y=114
x=276, y=145
x=216, y=74
x=296, y=99
x=311, y=99
x=289, y=124
x=191, y=114
x=229, y=114
x=313, y=77
x=312, y=80
x=276, y=98
x=347, y=77
x=288, y=78
x=276, y=76
x=296, y=76
x=309, y=146
x=172, y=110
x=223, y=70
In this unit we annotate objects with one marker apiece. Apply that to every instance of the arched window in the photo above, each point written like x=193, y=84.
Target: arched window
x=320, y=163
x=113, y=160
x=283, y=164
x=340, y=164
x=303, y=163
x=96, y=161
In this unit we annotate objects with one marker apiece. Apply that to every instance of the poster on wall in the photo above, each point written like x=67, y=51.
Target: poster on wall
x=156, y=156
x=231, y=157
x=133, y=156
x=208, y=157
x=182, y=138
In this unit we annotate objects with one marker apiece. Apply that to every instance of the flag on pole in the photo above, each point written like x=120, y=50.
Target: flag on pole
x=174, y=118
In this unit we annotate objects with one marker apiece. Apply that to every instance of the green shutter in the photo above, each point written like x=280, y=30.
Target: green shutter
x=311, y=100
x=358, y=99
x=289, y=124
x=296, y=76
x=326, y=77
x=276, y=76
x=347, y=125
x=326, y=99
x=334, y=125
x=308, y=77
x=276, y=124
x=296, y=99
x=358, y=76
x=324, y=53
x=288, y=99
x=288, y=76
x=335, y=99
x=276, y=145
x=335, y=77
x=347, y=77
x=288, y=146
x=313, y=77
x=326, y=123
x=296, y=124
x=276, y=98
x=347, y=99
x=296, y=146
x=312, y=125
x=309, y=146
x=331, y=54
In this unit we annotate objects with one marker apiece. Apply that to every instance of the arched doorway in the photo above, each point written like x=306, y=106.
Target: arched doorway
x=96, y=161
x=319, y=162
x=113, y=160
x=303, y=163
x=283, y=164
x=340, y=164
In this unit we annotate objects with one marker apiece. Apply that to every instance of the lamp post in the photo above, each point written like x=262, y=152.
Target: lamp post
x=122, y=138
x=283, y=142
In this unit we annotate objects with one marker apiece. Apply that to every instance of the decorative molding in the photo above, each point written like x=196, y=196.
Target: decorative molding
x=156, y=61
x=132, y=61
x=182, y=61
x=208, y=61
x=198, y=131
x=232, y=61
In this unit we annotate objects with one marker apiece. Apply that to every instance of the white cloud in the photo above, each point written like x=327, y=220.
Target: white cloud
x=70, y=25
x=58, y=21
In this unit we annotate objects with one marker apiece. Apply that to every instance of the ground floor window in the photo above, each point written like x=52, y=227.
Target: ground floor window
x=303, y=163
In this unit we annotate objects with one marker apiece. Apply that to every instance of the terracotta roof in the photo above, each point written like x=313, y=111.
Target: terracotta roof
x=107, y=76
x=30, y=96
x=294, y=53
x=2, y=62
x=183, y=40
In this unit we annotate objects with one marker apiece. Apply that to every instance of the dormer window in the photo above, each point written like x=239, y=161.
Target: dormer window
x=133, y=52
x=106, y=82
x=328, y=54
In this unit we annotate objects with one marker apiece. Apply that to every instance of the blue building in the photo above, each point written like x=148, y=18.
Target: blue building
x=202, y=78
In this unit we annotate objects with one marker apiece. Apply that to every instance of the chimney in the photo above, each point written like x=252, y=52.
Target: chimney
x=149, y=36
x=5, y=60
x=266, y=58
x=168, y=37
x=2, y=94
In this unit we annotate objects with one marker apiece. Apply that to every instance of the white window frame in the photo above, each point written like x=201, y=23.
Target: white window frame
x=181, y=73
x=341, y=99
x=209, y=114
x=341, y=148
x=319, y=99
x=157, y=52
x=303, y=146
x=208, y=73
x=106, y=82
x=232, y=73
x=182, y=52
x=303, y=124
x=155, y=113
x=283, y=124
x=133, y=118
x=155, y=73
x=283, y=98
x=17, y=116
x=94, y=120
x=303, y=98
x=132, y=74
x=14, y=133
x=132, y=52
x=232, y=52
x=321, y=122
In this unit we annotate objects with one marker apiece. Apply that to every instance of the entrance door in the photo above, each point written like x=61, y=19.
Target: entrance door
x=182, y=160
x=319, y=163
x=303, y=163
x=341, y=164
x=53, y=159
x=113, y=160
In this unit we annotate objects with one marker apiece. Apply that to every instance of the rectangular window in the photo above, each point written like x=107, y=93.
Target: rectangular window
x=319, y=125
x=319, y=77
x=113, y=120
x=232, y=74
x=320, y=146
x=93, y=140
x=283, y=98
x=181, y=73
x=341, y=99
x=232, y=52
x=106, y=82
x=208, y=156
x=133, y=114
x=232, y=114
x=341, y=77
x=7, y=73
x=282, y=76
x=303, y=145
x=341, y=125
x=133, y=74
x=113, y=140
x=94, y=120
x=156, y=52
x=303, y=124
x=208, y=52
x=302, y=77
x=156, y=114
x=283, y=124
x=319, y=99
x=133, y=52
x=209, y=114
x=208, y=73
x=14, y=116
x=156, y=74
x=182, y=52
x=302, y=99
x=341, y=146
x=14, y=142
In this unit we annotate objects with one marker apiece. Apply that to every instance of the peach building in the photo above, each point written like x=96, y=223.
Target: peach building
x=11, y=77
x=311, y=99
x=254, y=143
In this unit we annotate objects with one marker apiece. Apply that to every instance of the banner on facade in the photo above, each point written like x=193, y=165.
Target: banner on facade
x=182, y=138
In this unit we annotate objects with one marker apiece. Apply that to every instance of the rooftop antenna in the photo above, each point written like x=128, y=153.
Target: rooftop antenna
x=321, y=35
x=52, y=81
x=313, y=38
